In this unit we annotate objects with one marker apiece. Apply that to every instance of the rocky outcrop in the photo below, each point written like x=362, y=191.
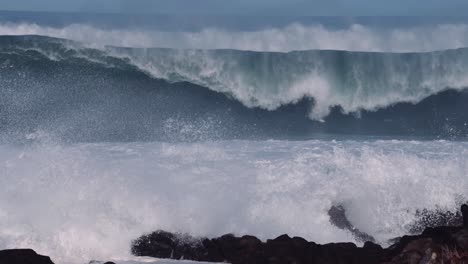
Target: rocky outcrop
x=434, y=245
x=445, y=244
x=22, y=256
x=249, y=249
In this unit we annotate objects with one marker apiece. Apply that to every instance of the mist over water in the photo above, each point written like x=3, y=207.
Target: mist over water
x=109, y=132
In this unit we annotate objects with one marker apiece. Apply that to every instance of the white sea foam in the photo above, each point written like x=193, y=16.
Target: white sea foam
x=88, y=201
x=292, y=37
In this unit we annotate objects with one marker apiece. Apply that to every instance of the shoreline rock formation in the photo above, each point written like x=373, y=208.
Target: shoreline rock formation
x=442, y=244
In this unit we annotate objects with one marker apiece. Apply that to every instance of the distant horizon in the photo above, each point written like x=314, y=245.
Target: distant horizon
x=249, y=8
x=97, y=12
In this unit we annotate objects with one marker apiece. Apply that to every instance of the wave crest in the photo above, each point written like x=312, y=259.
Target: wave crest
x=292, y=37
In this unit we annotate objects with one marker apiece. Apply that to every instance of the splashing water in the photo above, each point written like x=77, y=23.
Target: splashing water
x=88, y=201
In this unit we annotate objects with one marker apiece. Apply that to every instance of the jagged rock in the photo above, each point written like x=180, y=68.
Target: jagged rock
x=251, y=250
x=23, y=256
x=161, y=244
x=444, y=244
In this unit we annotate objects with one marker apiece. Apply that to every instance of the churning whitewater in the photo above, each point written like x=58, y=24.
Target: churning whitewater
x=106, y=134
x=88, y=201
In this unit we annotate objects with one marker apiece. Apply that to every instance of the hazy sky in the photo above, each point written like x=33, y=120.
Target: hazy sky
x=265, y=7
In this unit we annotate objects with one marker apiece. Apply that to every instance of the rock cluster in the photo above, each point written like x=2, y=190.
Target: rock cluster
x=445, y=244
x=249, y=249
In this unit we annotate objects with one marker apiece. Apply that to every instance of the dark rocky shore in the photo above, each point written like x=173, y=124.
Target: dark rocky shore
x=444, y=239
x=446, y=243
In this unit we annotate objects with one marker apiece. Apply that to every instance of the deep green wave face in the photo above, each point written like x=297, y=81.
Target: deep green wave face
x=70, y=91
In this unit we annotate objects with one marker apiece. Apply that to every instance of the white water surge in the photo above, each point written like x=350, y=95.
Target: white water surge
x=88, y=201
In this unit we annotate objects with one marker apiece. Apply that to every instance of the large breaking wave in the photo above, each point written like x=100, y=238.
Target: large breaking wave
x=57, y=83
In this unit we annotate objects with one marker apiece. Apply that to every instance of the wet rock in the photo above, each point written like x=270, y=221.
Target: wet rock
x=251, y=250
x=161, y=244
x=443, y=244
x=416, y=251
x=285, y=249
x=23, y=256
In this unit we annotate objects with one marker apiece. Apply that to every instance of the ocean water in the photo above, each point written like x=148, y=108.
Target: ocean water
x=111, y=129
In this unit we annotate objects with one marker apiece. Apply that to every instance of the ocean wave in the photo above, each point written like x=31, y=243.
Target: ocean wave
x=279, y=85
x=354, y=81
